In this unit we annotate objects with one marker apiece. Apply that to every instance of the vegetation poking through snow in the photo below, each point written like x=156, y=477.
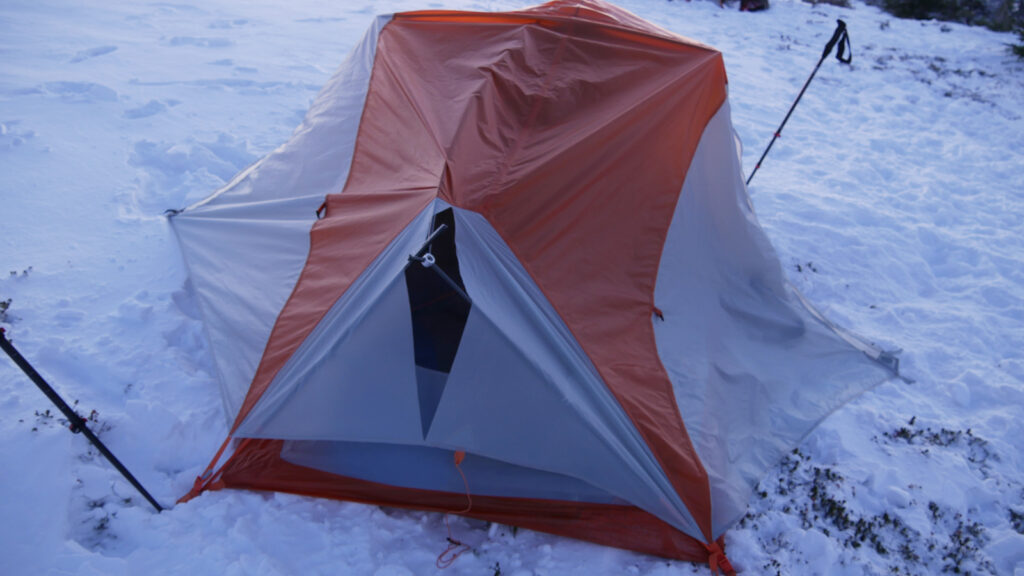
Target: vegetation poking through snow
x=976, y=450
x=1000, y=15
x=1017, y=520
x=1018, y=49
x=48, y=418
x=94, y=529
x=809, y=266
x=5, y=305
x=815, y=498
x=44, y=419
x=962, y=553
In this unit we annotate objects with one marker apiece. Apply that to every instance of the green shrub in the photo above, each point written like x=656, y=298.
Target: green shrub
x=966, y=11
x=1018, y=49
x=1001, y=15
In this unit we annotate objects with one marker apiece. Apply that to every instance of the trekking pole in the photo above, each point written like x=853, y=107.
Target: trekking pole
x=844, y=54
x=77, y=422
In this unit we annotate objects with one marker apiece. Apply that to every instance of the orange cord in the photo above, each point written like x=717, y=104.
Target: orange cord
x=455, y=547
x=459, y=457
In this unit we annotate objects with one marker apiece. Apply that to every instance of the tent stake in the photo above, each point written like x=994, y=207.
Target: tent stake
x=77, y=422
x=840, y=37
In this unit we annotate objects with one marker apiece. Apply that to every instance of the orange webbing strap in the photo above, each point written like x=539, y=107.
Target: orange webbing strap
x=204, y=480
x=455, y=548
x=717, y=560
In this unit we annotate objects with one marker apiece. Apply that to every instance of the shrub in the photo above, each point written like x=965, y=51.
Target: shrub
x=1001, y=15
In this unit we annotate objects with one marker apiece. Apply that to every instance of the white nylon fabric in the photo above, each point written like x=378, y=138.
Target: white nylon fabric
x=753, y=368
x=522, y=391
x=246, y=244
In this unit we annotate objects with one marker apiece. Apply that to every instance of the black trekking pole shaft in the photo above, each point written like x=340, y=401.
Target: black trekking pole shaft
x=78, y=424
x=836, y=36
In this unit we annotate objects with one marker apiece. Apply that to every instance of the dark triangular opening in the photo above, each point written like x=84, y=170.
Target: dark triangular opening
x=439, y=315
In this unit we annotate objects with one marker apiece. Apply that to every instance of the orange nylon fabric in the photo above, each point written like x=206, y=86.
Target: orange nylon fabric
x=575, y=152
x=572, y=136
x=373, y=218
x=258, y=466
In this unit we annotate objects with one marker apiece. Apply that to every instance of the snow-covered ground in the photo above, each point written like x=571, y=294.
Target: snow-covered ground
x=894, y=199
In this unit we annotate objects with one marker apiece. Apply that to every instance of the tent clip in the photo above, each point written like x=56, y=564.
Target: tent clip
x=424, y=257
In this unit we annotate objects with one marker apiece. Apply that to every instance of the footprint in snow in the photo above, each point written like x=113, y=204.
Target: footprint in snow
x=172, y=173
x=12, y=136
x=92, y=53
x=150, y=108
x=81, y=91
x=201, y=41
x=68, y=318
x=225, y=24
x=319, y=20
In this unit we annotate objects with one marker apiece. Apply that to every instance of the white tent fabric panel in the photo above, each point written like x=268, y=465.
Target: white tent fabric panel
x=353, y=378
x=240, y=299
x=246, y=244
x=522, y=391
x=753, y=369
x=362, y=386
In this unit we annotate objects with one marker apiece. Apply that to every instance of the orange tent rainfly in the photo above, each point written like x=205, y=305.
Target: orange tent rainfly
x=537, y=253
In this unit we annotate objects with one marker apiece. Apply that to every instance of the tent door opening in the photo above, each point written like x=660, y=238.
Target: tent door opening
x=439, y=315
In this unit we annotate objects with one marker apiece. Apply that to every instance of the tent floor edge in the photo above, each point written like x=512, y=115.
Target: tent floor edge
x=257, y=466
x=717, y=560
x=210, y=478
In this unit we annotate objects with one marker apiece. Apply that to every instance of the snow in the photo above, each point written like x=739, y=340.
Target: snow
x=893, y=198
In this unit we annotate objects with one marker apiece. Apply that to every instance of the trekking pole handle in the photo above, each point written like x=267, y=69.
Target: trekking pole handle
x=837, y=37
x=845, y=55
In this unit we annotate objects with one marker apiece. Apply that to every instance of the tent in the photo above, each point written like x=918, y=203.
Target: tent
x=507, y=267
